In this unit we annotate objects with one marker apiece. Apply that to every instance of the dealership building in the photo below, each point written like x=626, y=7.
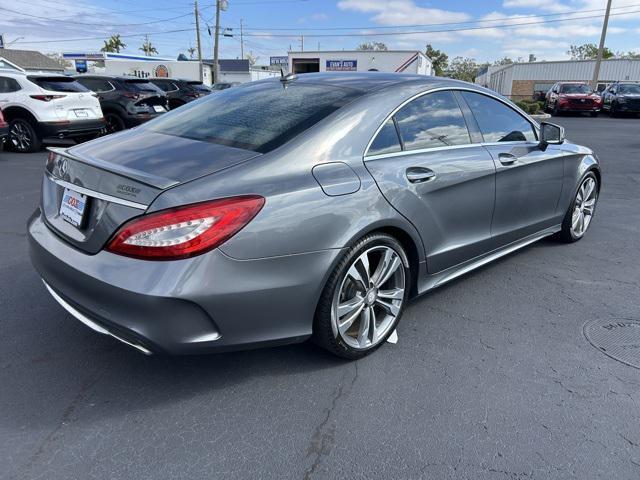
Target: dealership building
x=400, y=61
x=520, y=81
x=142, y=66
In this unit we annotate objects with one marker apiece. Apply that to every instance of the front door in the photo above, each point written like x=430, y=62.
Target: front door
x=436, y=178
x=528, y=179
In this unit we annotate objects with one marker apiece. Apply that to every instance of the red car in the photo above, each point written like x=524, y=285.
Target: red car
x=4, y=129
x=572, y=97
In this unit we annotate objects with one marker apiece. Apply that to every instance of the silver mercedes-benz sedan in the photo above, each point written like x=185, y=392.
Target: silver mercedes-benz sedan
x=311, y=206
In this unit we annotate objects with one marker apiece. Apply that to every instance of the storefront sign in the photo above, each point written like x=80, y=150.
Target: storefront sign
x=342, y=65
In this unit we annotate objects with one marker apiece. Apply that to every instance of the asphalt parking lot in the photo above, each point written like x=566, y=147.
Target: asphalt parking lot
x=492, y=376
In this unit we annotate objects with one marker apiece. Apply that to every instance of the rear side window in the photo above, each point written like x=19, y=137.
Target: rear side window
x=432, y=120
x=498, y=122
x=58, y=84
x=166, y=86
x=8, y=85
x=259, y=116
x=387, y=140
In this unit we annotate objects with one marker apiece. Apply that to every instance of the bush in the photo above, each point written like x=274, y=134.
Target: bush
x=522, y=105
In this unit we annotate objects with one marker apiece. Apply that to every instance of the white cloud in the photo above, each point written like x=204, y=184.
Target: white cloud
x=402, y=12
x=547, y=5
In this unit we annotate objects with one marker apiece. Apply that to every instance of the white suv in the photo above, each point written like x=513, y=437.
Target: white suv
x=40, y=106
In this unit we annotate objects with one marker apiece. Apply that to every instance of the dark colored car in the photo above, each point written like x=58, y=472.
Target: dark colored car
x=126, y=101
x=310, y=206
x=572, y=97
x=4, y=130
x=180, y=92
x=621, y=98
x=224, y=85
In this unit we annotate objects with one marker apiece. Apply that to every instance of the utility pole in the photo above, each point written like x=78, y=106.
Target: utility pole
x=302, y=43
x=603, y=36
x=241, y=41
x=215, y=44
x=197, y=14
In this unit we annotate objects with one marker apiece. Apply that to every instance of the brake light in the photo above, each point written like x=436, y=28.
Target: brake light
x=2, y=121
x=185, y=231
x=133, y=96
x=46, y=98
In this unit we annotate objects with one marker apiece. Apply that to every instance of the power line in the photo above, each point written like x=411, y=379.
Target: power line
x=378, y=27
x=414, y=32
x=102, y=37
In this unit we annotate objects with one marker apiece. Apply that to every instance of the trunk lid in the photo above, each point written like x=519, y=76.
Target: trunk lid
x=121, y=175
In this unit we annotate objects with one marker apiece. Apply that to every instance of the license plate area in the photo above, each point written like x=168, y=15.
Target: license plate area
x=159, y=108
x=81, y=113
x=73, y=207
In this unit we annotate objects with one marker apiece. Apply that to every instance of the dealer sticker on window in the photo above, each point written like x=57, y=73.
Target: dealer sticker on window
x=73, y=206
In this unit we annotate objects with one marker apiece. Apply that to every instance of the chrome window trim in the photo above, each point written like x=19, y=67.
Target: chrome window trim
x=534, y=124
x=94, y=194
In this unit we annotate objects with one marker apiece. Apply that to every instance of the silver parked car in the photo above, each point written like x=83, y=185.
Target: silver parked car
x=310, y=206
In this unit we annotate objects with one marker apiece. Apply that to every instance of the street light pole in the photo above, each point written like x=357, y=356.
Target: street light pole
x=215, y=44
x=241, y=41
x=603, y=36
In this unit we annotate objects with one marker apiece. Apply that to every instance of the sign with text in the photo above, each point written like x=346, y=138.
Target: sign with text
x=342, y=65
x=279, y=61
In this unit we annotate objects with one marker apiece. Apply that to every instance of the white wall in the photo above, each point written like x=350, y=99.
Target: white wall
x=145, y=69
x=389, y=61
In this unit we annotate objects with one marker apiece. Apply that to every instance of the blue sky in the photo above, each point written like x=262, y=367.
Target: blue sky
x=486, y=30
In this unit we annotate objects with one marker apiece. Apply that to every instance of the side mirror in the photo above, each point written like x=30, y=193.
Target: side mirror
x=550, y=134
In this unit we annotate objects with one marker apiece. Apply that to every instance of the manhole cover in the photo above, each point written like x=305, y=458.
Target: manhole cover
x=617, y=338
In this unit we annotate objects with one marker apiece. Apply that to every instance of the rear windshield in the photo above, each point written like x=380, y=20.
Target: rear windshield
x=140, y=86
x=58, y=84
x=629, y=89
x=259, y=116
x=576, y=88
x=199, y=86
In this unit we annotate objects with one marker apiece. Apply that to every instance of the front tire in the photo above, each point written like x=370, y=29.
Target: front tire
x=580, y=212
x=23, y=137
x=364, y=297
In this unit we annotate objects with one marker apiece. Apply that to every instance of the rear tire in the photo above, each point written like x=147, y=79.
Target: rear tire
x=580, y=213
x=23, y=137
x=371, y=286
x=114, y=123
x=555, y=112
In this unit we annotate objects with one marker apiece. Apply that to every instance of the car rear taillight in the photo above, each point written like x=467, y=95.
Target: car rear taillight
x=187, y=231
x=46, y=98
x=133, y=96
x=3, y=123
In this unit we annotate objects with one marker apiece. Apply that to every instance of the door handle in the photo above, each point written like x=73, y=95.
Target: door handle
x=507, y=158
x=420, y=174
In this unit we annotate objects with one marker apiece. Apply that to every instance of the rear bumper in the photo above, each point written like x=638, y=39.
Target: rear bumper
x=71, y=129
x=207, y=303
x=135, y=119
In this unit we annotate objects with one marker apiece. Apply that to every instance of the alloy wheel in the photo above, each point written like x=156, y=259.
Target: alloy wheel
x=367, y=303
x=584, y=206
x=20, y=137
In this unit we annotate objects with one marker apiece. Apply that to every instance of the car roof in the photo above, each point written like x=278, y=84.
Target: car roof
x=111, y=77
x=372, y=81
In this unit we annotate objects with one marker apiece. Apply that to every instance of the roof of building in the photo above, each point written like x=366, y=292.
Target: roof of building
x=31, y=60
x=230, y=65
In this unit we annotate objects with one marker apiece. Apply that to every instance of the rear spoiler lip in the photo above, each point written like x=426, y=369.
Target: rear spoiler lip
x=145, y=178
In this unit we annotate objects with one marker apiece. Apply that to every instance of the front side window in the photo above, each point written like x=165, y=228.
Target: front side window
x=497, y=121
x=259, y=116
x=432, y=120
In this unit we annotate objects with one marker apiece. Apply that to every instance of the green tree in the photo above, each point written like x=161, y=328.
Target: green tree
x=587, y=51
x=373, y=46
x=147, y=47
x=503, y=61
x=463, y=68
x=439, y=60
x=629, y=55
x=113, y=44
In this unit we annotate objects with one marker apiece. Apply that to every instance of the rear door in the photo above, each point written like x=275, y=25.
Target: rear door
x=528, y=180
x=437, y=176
